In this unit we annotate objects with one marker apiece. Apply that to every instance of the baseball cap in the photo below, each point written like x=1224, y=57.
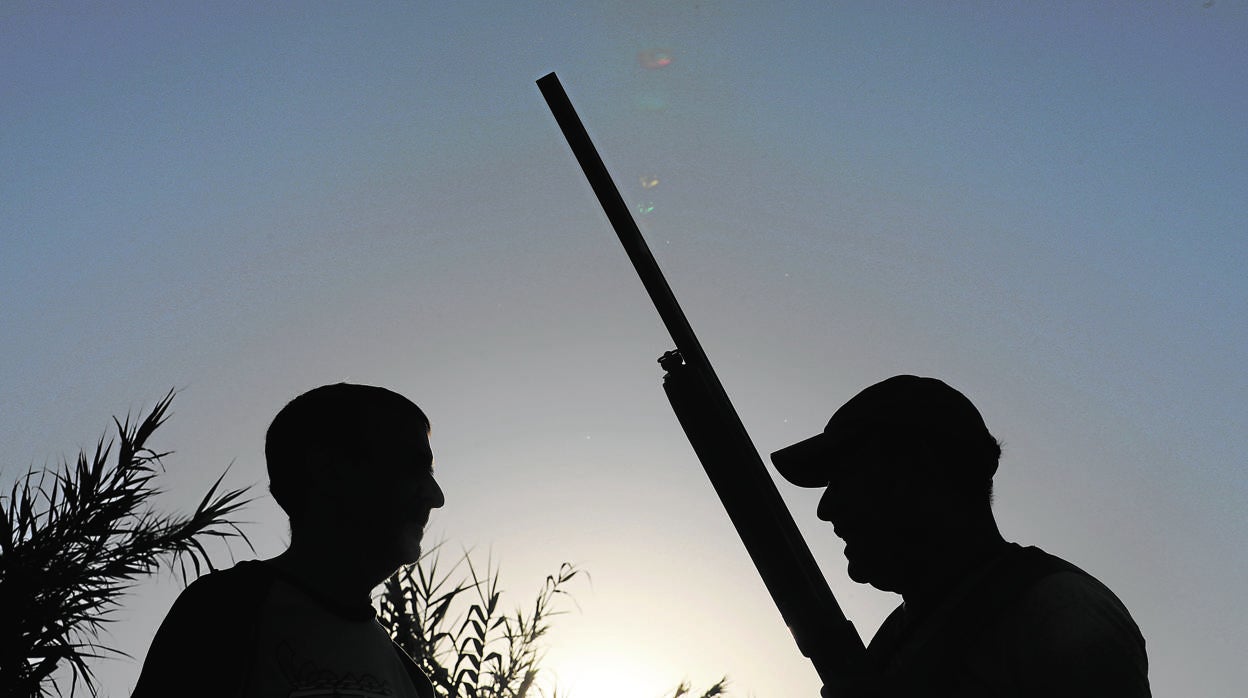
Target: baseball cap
x=903, y=403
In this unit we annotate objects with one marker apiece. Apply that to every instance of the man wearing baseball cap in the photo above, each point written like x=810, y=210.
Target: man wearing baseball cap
x=908, y=465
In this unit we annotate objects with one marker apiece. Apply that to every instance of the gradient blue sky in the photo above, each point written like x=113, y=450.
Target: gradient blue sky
x=1043, y=203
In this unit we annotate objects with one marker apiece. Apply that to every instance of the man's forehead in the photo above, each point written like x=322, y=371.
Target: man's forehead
x=399, y=423
x=865, y=454
x=407, y=436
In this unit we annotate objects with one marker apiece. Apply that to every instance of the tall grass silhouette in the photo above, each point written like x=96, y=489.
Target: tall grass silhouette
x=73, y=540
x=453, y=622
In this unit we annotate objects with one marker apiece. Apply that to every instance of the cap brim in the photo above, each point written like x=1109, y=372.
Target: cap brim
x=805, y=463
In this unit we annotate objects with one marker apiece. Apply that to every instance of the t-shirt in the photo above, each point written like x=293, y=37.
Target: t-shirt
x=1026, y=625
x=248, y=632
x=303, y=650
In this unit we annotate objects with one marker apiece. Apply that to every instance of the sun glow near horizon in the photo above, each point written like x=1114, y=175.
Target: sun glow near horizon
x=599, y=672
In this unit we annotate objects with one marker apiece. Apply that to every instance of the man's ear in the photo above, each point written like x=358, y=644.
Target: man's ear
x=325, y=471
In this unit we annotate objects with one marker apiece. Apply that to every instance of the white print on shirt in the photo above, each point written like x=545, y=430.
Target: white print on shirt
x=308, y=680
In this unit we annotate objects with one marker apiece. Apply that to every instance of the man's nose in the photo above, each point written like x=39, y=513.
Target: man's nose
x=433, y=495
x=833, y=505
x=827, y=507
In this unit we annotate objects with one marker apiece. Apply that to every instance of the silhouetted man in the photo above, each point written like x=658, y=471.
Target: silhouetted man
x=352, y=468
x=908, y=466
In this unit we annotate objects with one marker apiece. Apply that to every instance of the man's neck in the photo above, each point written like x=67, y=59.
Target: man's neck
x=338, y=573
x=950, y=567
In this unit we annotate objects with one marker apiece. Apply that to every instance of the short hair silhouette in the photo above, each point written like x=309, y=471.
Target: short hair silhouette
x=342, y=420
x=352, y=467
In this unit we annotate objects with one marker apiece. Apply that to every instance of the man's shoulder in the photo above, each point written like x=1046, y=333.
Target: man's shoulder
x=238, y=588
x=1074, y=604
x=241, y=573
x=1069, y=587
x=1027, y=624
x=1057, y=583
x=1035, y=563
x=1019, y=586
x=202, y=629
x=1069, y=634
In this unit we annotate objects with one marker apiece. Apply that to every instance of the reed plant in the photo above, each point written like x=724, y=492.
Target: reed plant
x=453, y=623
x=75, y=538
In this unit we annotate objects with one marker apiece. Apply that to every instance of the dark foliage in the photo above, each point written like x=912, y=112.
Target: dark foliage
x=73, y=541
x=453, y=624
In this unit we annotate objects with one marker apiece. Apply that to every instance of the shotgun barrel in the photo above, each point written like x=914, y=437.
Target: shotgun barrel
x=719, y=439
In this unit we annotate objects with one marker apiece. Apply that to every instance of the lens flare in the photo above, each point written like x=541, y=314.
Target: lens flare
x=645, y=208
x=654, y=59
x=649, y=182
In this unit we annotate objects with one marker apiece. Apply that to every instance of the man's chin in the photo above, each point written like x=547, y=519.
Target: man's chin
x=858, y=574
x=413, y=535
x=866, y=573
